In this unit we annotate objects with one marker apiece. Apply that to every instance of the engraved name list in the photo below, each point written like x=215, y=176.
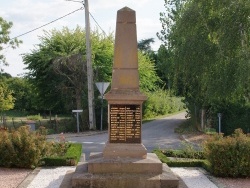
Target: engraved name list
x=125, y=124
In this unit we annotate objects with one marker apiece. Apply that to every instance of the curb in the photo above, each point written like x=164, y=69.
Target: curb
x=69, y=135
x=29, y=178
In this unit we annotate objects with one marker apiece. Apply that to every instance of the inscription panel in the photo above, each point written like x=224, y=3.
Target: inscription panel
x=125, y=124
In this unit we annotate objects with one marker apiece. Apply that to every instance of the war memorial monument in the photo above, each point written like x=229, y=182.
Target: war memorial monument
x=124, y=162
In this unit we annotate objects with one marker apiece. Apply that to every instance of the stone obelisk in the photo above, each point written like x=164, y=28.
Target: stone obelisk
x=124, y=162
x=125, y=99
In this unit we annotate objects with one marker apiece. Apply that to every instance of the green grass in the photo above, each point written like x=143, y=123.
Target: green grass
x=173, y=161
x=71, y=157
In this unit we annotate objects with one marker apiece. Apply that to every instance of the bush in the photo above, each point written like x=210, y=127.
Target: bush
x=22, y=148
x=160, y=103
x=229, y=156
x=34, y=117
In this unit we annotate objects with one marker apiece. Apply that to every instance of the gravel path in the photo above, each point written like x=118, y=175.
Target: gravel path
x=50, y=177
x=193, y=178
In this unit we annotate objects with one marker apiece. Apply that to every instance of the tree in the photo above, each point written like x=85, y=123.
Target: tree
x=23, y=93
x=5, y=40
x=209, y=44
x=74, y=69
x=164, y=66
x=145, y=45
x=57, y=67
x=149, y=80
x=6, y=98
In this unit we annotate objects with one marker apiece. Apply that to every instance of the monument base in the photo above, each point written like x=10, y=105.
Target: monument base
x=123, y=173
x=123, y=150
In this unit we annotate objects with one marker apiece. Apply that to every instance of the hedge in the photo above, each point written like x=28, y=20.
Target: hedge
x=169, y=157
x=229, y=156
x=71, y=157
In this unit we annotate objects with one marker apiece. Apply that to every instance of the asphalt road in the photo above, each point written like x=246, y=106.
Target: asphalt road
x=155, y=134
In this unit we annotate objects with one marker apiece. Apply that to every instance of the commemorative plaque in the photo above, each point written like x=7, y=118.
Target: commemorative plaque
x=125, y=124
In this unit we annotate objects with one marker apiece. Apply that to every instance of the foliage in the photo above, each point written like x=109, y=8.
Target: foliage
x=58, y=70
x=184, y=154
x=71, y=156
x=165, y=157
x=57, y=84
x=161, y=156
x=165, y=66
x=5, y=40
x=148, y=78
x=160, y=102
x=26, y=149
x=208, y=42
x=229, y=156
x=23, y=92
x=6, y=98
x=234, y=115
x=34, y=117
x=22, y=148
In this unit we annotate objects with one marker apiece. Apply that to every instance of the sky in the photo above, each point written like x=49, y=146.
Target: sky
x=27, y=15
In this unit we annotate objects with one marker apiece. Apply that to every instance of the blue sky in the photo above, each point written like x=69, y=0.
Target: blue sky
x=30, y=14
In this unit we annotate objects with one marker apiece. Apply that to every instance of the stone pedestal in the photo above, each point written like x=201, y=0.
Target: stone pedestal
x=124, y=173
x=124, y=162
x=124, y=151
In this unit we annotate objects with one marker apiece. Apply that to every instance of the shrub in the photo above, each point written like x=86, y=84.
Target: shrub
x=25, y=149
x=34, y=117
x=160, y=103
x=22, y=148
x=7, y=152
x=229, y=156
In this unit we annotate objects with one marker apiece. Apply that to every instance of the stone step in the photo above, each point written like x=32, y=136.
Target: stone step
x=123, y=180
x=151, y=164
x=113, y=177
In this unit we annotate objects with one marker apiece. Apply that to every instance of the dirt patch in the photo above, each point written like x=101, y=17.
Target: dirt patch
x=196, y=138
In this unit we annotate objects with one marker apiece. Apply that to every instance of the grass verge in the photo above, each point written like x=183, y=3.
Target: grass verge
x=173, y=161
x=71, y=157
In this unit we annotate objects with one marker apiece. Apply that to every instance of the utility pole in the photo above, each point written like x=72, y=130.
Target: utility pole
x=92, y=124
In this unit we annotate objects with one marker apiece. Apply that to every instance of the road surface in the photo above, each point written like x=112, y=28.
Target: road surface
x=155, y=134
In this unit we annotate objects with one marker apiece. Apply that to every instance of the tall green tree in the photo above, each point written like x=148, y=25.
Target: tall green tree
x=58, y=67
x=164, y=66
x=149, y=80
x=5, y=40
x=209, y=44
x=23, y=93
